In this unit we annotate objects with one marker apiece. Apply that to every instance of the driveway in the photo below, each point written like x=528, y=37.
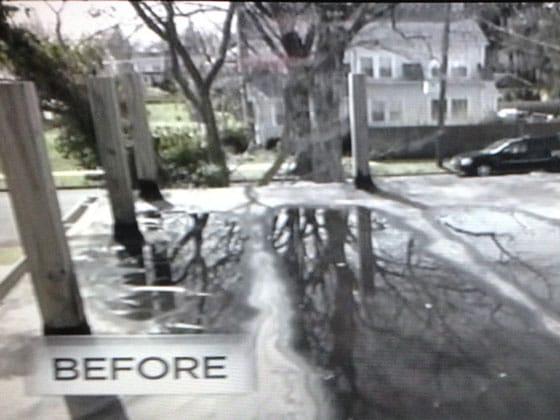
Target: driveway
x=537, y=192
x=461, y=319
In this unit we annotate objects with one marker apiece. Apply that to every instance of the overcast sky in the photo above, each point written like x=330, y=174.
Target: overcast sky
x=77, y=20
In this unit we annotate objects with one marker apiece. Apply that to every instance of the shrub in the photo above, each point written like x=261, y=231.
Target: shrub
x=236, y=139
x=184, y=159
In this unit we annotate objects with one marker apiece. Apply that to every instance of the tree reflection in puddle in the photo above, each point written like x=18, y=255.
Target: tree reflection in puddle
x=188, y=280
x=401, y=336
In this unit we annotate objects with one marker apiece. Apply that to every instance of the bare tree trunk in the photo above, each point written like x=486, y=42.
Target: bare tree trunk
x=327, y=133
x=216, y=153
x=297, y=123
x=326, y=94
x=442, y=101
x=248, y=122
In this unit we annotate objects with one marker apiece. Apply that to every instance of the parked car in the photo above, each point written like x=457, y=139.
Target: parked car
x=512, y=114
x=513, y=155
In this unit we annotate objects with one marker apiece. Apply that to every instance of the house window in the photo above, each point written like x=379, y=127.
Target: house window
x=366, y=66
x=435, y=108
x=385, y=67
x=377, y=112
x=412, y=71
x=459, y=108
x=458, y=70
x=395, y=111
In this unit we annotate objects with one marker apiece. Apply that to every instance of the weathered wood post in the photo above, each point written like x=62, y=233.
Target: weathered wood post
x=359, y=132
x=144, y=150
x=108, y=132
x=33, y=194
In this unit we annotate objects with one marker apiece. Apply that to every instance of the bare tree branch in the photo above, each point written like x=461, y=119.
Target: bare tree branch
x=141, y=10
x=532, y=40
x=368, y=14
x=264, y=34
x=202, y=8
x=173, y=40
x=406, y=37
x=58, y=27
x=226, y=35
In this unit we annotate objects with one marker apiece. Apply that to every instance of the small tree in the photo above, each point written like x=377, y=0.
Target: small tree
x=195, y=78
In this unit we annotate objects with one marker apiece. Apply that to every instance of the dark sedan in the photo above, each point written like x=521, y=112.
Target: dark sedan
x=514, y=155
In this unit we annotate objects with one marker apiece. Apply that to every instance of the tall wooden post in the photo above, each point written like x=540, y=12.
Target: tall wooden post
x=359, y=132
x=108, y=132
x=144, y=150
x=37, y=212
x=33, y=194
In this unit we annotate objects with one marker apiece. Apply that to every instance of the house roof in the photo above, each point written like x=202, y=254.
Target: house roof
x=419, y=38
x=428, y=12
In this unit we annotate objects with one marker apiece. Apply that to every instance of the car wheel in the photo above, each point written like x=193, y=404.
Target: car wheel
x=483, y=170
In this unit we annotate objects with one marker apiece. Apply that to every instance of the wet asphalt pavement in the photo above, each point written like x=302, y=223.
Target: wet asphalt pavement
x=437, y=300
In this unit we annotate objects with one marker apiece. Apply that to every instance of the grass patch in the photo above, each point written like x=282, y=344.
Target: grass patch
x=73, y=181
x=405, y=167
x=58, y=162
x=10, y=254
x=397, y=167
x=170, y=113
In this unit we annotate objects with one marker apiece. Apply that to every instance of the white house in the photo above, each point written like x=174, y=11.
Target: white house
x=402, y=63
x=150, y=66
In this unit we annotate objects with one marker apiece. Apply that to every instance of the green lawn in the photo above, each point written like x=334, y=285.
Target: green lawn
x=176, y=114
x=405, y=167
x=170, y=113
x=58, y=162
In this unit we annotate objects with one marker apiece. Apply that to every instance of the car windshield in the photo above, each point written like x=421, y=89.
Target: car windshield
x=497, y=145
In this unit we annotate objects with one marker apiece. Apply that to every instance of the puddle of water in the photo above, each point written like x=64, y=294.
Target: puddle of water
x=189, y=279
x=402, y=335
x=211, y=272
x=381, y=327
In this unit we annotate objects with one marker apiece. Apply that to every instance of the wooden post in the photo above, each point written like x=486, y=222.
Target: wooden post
x=144, y=150
x=359, y=132
x=33, y=194
x=107, y=123
x=31, y=185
